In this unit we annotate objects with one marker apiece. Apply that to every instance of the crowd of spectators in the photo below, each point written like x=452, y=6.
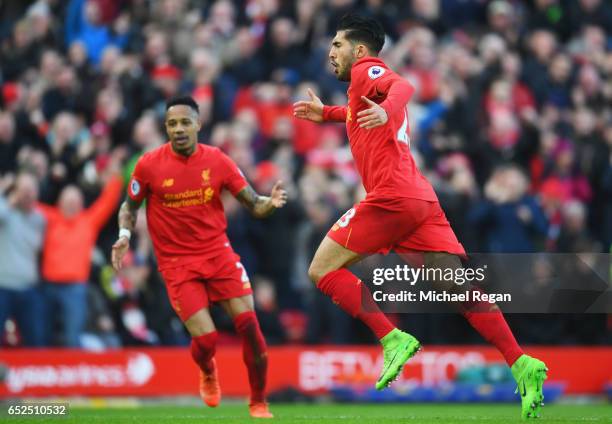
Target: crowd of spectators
x=510, y=121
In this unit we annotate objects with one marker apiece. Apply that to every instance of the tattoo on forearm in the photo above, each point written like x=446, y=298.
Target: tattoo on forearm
x=248, y=197
x=259, y=206
x=127, y=215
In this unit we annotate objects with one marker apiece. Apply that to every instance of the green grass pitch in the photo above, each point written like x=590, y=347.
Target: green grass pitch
x=332, y=413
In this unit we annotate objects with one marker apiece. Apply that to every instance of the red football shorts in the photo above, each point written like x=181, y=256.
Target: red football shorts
x=412, y=226
x=194, y=286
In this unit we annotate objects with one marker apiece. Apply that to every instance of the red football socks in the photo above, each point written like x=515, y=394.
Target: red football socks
x=254, y=353
x=490, y=323
x=348, y=292
x=203, y=349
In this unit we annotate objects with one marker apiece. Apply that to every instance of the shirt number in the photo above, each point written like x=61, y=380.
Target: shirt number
x=346, y=218
x=402, y=133
x=243, y=277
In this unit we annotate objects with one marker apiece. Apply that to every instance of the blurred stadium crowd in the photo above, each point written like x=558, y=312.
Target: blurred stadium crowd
x=511, y=122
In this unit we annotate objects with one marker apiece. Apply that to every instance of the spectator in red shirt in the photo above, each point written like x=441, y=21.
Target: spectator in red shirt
x=72, y=231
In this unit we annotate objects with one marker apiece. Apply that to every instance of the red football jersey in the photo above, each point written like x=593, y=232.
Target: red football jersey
x=382, y=154
x=185, y=215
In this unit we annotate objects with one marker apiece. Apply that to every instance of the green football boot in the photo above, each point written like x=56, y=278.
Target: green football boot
x=530, y=374
x=398, y=348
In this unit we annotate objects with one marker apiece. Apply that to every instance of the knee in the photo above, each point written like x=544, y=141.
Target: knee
x=196, y=329
x=200, y=324
x=239, y=305
x=316, y=272
x=206, y=342
x=246, y=322
x=445, y=261
x=204, y=347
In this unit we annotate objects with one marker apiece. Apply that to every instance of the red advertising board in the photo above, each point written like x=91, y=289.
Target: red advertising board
x=170, y=371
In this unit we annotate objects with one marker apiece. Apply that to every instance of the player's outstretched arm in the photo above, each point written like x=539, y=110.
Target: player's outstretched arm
x=262, y=206
x=127, y=222
x=310, y=110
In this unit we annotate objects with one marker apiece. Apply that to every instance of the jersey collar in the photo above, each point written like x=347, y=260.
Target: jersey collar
x=179, y=157
x=372, y=59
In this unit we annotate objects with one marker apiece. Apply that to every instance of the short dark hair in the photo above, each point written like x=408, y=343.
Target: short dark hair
x=364, y=30
x=185, y=101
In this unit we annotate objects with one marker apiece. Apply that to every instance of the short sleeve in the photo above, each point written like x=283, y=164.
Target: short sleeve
x=234, y=179
x=383, y=86
x=138, y=187
x=374, y=80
